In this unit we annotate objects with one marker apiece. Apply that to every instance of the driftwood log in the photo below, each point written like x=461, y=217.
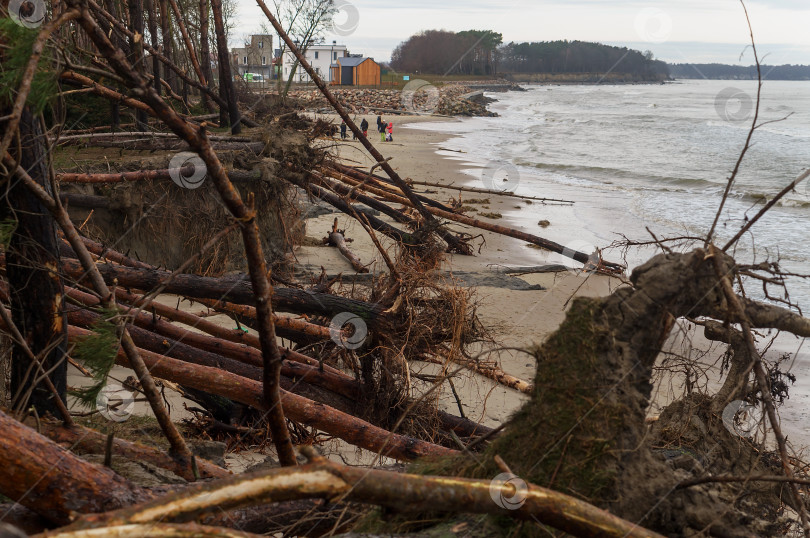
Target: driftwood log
x=338, y=239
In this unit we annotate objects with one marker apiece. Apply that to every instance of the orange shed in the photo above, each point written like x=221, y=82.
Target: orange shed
x=352, y=71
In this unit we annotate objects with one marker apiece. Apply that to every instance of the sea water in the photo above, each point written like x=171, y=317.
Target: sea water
x=637, y=159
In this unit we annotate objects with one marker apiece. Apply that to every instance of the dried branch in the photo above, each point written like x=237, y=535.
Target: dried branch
x=178, y=445
x=244, y=213
x=399, y=492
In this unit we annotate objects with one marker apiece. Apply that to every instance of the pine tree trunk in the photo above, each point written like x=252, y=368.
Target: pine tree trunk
x=32, y=268
x=205, y=52
x=136, y=53
x=165, y=26
x=226, y=89
x=153, y=37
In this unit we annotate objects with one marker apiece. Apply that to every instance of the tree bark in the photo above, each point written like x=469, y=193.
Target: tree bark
x=153, y=36
x=136, y=57
x=351, y=429
x=226, y=87
x=238, y=290
x=405, y=493
x=36, y=289
x=337, y=239
x=87, y=440
x=192, y=53
x=166, y=39
x=205, y=52
x=47, y=479
x=592, y=259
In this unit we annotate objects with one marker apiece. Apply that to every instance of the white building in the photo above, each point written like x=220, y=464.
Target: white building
x=320, y=56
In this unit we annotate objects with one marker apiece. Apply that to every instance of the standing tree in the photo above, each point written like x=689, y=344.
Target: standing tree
x=226, y=88
x=304, y=21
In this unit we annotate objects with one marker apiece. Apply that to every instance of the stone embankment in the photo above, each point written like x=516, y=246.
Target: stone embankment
x=418, y=97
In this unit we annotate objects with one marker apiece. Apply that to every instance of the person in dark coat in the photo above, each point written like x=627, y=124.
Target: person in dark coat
x=364, y=127
x=381, y=128
x=343, y=130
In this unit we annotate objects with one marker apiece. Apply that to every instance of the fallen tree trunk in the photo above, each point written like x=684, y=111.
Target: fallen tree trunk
x=295, y=365
x=140, y=175
x=380, y=182
x=87, y=201
x=582, y=257
x=353, y=194
x=338, y=203
x=489, y=371
x=81, y=438
x=47, y=479
x=282, y=322
x=347, y=170
x=150, y=134
x=400, y=492
x=103, y=91
x=336, y=393
x=337, y=239
x=235, y=290
x=147, y=143
x=56, y=484
x=230, y=335
x=322, y=417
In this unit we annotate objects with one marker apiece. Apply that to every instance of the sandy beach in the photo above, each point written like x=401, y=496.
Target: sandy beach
x=517, y=318
x=519, y=311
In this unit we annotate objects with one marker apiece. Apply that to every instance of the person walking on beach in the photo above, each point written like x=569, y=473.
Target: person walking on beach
x=343, y=130
x=364, y=127
x=381, y=128
x=390, y=130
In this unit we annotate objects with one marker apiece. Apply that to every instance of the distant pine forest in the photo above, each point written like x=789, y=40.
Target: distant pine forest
x=739, y=72
x=483, y=53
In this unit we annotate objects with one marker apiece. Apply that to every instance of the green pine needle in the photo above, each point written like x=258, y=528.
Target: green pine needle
x=97, y=353
x=19, y=42
x=7, y=229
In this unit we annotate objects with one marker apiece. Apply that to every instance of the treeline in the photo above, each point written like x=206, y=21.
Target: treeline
x=739, y=72
x=472, y=52
x=481, y=52
x=558, y=57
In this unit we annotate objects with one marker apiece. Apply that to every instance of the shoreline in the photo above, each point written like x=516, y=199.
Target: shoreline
x=519, y=318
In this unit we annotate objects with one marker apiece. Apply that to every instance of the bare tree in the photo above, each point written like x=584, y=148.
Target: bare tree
x=304, y=21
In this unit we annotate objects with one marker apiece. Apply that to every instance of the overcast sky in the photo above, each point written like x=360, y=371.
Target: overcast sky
x=675, y=30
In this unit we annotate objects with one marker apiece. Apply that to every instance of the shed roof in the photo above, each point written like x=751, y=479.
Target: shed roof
x=350, y=61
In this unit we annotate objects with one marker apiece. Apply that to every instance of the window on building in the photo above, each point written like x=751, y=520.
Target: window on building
x=261, y=44
x=316, y=54
x=334, y=58
x=244, y=60
x=264, y=60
